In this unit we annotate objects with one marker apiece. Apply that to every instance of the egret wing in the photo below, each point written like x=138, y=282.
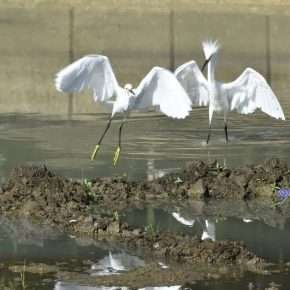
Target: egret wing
x=161, y=88
x=193, y=82
x=91, y=72
x=249, y=92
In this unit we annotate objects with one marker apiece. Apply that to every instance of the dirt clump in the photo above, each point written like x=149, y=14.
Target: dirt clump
x=38, y=193
x=92, y=207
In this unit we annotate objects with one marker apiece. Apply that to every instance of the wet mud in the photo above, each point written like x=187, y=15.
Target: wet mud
x=94, y=207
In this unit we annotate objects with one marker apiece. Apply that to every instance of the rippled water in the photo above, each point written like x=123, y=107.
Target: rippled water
x=152, y=144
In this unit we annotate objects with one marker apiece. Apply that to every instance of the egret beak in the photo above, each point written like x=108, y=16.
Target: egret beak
x=206, y=62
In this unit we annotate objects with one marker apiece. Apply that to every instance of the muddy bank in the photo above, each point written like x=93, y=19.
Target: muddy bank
x=37, y=193
x=37, y=188
x=153, y=274
x=93, y=207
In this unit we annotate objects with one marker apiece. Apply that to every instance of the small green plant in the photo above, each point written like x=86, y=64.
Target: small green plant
x=151, y=229
x=87, y=184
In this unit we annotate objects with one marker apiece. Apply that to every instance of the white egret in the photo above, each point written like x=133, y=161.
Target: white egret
x=159, y=88
x=247, y=93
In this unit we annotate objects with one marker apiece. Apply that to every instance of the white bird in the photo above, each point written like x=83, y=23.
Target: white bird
x=159, y=88
x=246, y=94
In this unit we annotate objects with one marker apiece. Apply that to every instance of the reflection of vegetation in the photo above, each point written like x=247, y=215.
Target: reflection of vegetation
x=22, y=276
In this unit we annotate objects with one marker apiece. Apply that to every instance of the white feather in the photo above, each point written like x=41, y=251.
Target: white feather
x=161, y=89
x=92, y=72
x=210, y=47
x=194, y=83
x=250, y=92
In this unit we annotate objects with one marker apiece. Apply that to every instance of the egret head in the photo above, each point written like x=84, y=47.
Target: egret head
x=128, y=87
x=210, y=49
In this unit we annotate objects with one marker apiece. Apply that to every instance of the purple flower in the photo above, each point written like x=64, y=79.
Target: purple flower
x=284, y=193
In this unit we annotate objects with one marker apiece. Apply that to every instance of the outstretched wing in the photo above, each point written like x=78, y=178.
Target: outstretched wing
x=193, y=82
x=161, y=88
x=92, y=72
x=249, y=92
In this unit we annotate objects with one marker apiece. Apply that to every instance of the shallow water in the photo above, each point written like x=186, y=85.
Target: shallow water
x=267, y=241
x=47, y=255
x=152, y=144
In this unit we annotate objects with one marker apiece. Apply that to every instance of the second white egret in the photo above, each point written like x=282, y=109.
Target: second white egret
x=246, y=94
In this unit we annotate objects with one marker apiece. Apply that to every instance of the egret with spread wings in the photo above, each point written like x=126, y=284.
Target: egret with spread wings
x=246, y=94
x=159, y=88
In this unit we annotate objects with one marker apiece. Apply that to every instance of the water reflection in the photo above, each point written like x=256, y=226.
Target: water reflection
x=70, y=286
x=21, y=240
x=275, y=245
x=116, y=264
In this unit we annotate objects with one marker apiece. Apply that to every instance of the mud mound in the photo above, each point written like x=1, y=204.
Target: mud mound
x=91, y=207
x=38, y=193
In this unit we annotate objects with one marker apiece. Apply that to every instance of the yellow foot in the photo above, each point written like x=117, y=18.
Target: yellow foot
x=97, y=148
x=117, y=155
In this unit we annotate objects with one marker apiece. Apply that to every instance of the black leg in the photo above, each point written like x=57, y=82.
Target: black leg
x=118, y=150
x=97, y=147
x=226, y=132
x=209, y=132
